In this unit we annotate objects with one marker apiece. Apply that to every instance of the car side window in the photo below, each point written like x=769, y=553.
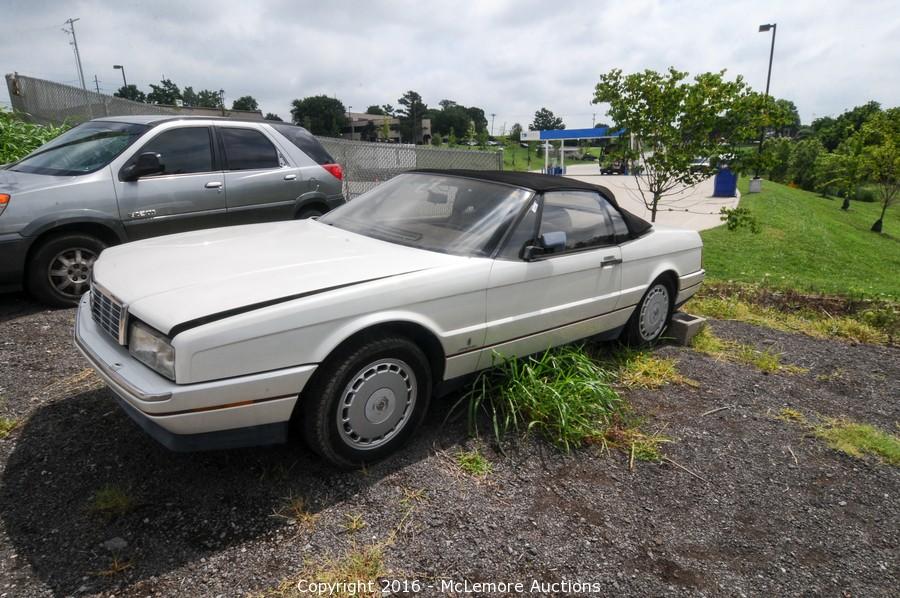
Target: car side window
x=248, y=149
x=582, y=215
x=181, y=151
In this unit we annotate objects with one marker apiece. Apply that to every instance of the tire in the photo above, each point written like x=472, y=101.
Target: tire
x=651, y=316
x=59, y=271
x=355, y=412
x=309, y=213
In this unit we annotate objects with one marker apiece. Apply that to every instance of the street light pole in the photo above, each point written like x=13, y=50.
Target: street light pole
x=121, y=68
x=350, y=116
x=762, y=130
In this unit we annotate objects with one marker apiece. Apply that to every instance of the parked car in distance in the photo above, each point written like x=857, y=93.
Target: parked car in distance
x=700, y=165
x=118, y=179
x=346, y=325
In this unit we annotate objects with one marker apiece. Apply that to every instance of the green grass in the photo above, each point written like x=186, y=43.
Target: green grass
x=473, y=463
x=7, y=425
x=807, y=242
x=766, y=361
x=19, y=137
x=563, y=395
x=111, y=501
x=641, y=369
x=856, y=440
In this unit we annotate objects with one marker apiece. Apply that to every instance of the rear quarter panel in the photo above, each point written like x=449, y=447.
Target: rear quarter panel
x=646, y=258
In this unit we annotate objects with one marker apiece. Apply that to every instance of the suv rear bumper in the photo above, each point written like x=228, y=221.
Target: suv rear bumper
x=13, y=249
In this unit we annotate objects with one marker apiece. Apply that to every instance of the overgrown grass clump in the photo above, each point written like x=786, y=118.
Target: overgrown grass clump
x=19, y=138
x=857, y=440
x=112, y=501
x=473, y=463
x=7, y=425
x=767, y=361
x=563, y=395
x=642, y=369
x=356, y=573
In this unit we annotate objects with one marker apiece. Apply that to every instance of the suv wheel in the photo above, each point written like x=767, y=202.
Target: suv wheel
x=366, y=401
x=59, y=272
x=309, y=213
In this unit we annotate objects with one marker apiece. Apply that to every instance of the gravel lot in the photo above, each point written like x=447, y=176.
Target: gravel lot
x=767, y=509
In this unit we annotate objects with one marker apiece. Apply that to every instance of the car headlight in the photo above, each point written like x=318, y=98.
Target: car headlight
x=152, y=349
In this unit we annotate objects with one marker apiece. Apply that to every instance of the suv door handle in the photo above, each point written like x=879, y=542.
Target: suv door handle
x=214, y=185
x=290, y=177
x=610, y=260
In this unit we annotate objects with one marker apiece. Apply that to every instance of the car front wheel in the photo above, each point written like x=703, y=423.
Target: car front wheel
x=59, y=271
x=651, y=316
x=366, y=401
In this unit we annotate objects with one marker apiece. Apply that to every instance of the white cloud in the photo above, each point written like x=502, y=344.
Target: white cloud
x=508, y=57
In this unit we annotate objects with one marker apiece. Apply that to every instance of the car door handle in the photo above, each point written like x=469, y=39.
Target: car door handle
x=214, y=185
x=610, y=260
x=290, y=177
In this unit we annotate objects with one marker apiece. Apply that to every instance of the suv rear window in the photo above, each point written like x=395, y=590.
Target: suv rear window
x=305, y=141
x=246, y=149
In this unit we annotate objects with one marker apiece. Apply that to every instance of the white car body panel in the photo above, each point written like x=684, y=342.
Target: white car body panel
x=252, y=310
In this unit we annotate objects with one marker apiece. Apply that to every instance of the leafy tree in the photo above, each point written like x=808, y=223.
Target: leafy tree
x=189, y=96
x=411, y=115
x=515, y=132
x=444, y=104
x=388, y=110
x=368, y=132
x=790, y=121
x=470, y=132
x=803, y=162
x=451, y=117
x=675, y=121
x=245, y=103
x=165, y=93
x=131, y=92
x=476, y=115
x=208, y=98
x=834, y=131
x=436, y=140
x=482, y=138
x=777, y=157
x=545, y=119
x=386, y=128
x=320, y=114
x=375, y=109
x=272, y=116
x=451, y=140
x=880, y=158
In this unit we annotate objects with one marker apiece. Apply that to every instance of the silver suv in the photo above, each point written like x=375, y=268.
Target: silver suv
x=119, y=179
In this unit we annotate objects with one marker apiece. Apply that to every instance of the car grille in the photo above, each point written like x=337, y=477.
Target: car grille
x=108, y=313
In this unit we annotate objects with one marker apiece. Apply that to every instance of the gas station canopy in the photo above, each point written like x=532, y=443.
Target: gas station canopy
x=570, y=134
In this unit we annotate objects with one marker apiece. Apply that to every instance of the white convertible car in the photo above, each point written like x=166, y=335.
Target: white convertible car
x=347, y=325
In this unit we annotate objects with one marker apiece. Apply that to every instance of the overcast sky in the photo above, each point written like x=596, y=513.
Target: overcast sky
x=509, y=57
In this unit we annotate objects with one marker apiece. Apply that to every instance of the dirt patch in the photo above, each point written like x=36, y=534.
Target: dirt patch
x=776, y=512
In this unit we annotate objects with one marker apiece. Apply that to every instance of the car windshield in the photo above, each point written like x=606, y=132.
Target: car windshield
x=441, y=213
x=86, y=148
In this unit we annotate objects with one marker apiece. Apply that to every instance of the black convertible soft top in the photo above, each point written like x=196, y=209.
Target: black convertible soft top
x=542, y=183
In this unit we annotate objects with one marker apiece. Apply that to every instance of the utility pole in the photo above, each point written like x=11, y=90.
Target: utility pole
x=350, y=117
x=492, y=123
x=96, y=83
x=71, y=31
x=593, y=120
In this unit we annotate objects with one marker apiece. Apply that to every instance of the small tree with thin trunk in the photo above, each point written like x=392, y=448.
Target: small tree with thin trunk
x=673, y=121
x=880, y=160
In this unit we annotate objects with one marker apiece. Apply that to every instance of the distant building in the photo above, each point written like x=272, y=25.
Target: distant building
x=369, y=127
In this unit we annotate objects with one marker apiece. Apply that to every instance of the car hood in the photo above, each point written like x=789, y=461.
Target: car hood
x=174, y=279
x=18, y=183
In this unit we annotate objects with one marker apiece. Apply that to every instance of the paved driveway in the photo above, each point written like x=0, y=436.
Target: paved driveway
x=692, y=207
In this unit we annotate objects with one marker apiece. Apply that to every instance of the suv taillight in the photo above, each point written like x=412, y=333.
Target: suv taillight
x=335, y=170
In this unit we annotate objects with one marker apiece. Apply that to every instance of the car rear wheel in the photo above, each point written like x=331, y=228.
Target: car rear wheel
x=366, y=401
x=651, y=316
x=59, y=271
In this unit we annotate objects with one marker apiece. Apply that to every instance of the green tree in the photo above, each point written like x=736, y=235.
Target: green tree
x=880, y=158
x=411, y=115
x=803, y=162
x=476, y=115
x=436, y=140
x=451, y=117
x=481, y=137
x=515, y=133
x=388, y=110
x=207, y=98
x=834, y=131
x=320, y=114
x=245, y=103
x=272, y=116
x=189, y=96
x=131, y=92
x=451, y=139
x=790, y=121
x=545, y=119
x=386, y=128
x=165, y=93
x=470, y=132
x=674, y=121
x=777, y=158
x=375, y=109
x=444, y=104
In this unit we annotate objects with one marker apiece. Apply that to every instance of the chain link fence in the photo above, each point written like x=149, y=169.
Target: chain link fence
x=365, y=164
x=368, y=164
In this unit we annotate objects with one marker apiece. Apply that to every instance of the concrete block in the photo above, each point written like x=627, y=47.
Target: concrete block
x=684, y=327
x=755, y=186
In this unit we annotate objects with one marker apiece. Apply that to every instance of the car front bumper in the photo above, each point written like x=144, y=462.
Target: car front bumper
x=241, y=411
x=13, y=250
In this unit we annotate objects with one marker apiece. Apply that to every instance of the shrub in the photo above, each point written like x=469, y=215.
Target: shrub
x=19, y=138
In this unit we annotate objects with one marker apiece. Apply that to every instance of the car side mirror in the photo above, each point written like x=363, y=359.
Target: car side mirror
x=146, y=164
x=551, y=242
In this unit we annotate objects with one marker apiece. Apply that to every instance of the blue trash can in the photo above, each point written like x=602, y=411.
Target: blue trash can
x=725, y=183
